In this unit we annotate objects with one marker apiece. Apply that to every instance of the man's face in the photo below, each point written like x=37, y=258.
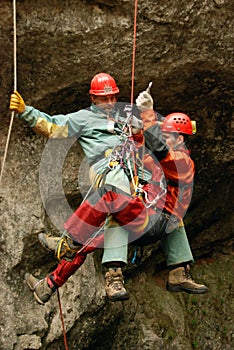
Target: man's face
x=172, y=139
x=106, y=103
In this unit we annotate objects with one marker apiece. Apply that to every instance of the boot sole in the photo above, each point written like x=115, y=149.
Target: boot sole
x=38, y=300
x=119, y=297
x=178, y=288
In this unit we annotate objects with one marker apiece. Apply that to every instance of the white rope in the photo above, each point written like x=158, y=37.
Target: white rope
x=15, y=88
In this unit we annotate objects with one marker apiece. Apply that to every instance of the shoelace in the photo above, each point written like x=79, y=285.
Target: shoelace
x=116, y=284
x=188, y=276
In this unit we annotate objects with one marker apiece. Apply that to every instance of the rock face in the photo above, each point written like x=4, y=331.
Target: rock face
x=185, y=48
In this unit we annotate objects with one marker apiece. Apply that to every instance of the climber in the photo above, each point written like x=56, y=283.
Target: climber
x=175, y=129
x=99, y=130
x=175, y=244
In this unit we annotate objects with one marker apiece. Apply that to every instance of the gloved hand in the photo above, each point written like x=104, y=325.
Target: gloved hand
x=144, y=101
x=17, y=103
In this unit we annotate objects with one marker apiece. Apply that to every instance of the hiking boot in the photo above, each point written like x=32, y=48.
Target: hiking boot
x=180, y=280
x=63, y=247
x=49, y=242
x=41, y=291
x=114, y=285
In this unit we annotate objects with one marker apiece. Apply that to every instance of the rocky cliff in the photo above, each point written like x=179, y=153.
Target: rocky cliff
x=186, y=49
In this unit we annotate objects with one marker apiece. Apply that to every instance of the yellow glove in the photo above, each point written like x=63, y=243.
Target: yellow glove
x=17, y=103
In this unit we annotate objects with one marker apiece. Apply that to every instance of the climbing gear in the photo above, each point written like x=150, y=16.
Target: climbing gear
x=66, y=248
x=49, y=242
x=40, y=288
x=162, y=190
x=103, y=84
x=127, y=126
x=115, y=290
x=144, y=101
x=177, y=122
x=63, y=247
x=62, y=321
x=15, y=88
x=17, y=103
x=126, y=153
x=179, y=280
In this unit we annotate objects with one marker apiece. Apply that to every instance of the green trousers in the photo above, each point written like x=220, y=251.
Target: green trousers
x=175, y=246
x=115, y=236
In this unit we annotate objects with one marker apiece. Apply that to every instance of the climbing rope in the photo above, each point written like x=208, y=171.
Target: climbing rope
x=128, y=146
x=134, y=50
x=135, y=177
x=62, y=320
x=15, y=88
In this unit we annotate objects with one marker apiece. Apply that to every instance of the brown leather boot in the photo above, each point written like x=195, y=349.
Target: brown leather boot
x=49, y=242
x=63, y=247
x=180, y=280
x=114, y=285
x=40, y=288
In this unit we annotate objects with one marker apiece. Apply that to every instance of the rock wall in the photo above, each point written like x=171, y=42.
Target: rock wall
x=183, y=47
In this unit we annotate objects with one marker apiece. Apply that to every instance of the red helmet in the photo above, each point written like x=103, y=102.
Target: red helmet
x=177, y=122
x=103, y=84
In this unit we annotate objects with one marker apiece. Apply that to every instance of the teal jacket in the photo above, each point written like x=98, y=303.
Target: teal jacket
x=96, y=132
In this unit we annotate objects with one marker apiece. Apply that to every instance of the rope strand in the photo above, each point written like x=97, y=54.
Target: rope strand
x=15, y=88
x=134, y=51
x=62, y=320
x=15, y=45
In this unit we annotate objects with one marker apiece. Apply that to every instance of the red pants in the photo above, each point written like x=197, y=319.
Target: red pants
x=65, y=269
x=126, y=210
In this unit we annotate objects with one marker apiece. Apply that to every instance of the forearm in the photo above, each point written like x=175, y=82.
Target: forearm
x=44, y=124
x=155, y=142
x=30, y=116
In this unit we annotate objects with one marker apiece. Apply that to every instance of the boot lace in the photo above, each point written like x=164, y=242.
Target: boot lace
x=188, y=275
x=116, y=283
